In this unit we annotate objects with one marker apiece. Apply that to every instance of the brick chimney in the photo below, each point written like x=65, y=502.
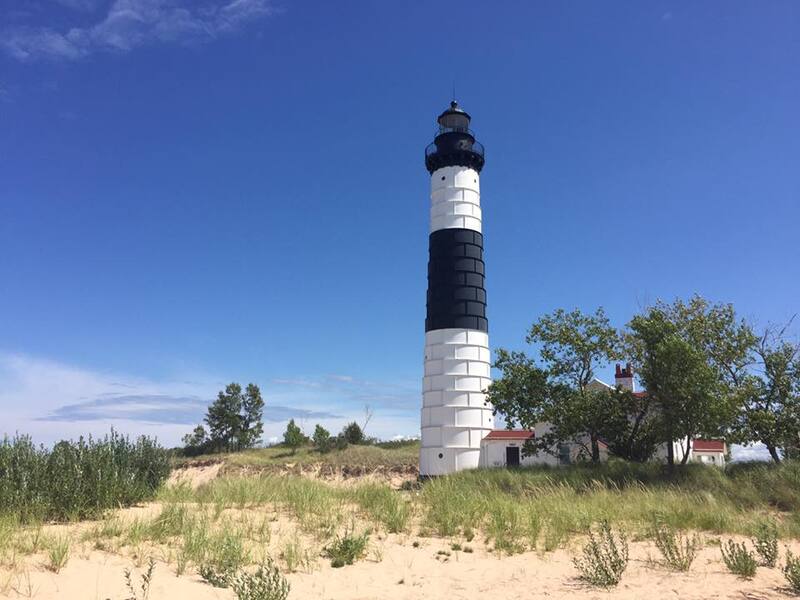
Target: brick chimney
x=624, y=377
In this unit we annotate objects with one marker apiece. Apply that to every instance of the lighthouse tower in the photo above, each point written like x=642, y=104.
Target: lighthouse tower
x=455, y=413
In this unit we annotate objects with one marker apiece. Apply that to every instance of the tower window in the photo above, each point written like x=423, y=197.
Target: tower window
x=441, y=455
x=442, y=177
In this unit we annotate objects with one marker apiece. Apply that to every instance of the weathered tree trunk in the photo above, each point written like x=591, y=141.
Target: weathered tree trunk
x=595, y=450
x=773, y=452
x=671, y=456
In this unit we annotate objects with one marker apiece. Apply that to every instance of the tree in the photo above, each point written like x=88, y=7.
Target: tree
x=293, y=437
x=353, y=433
x=770, y=411
x=322, y=439
x=252, y=410
x=223, y=419
x=692, y=358
x=233, y=420
x=195, y=442
x=572, y=345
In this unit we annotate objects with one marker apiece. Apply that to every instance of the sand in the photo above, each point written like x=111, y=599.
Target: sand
x=396, y=570
x=393, y=570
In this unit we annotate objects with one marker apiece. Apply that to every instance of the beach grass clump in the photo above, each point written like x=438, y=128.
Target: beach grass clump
x=739, y=559
x=78, y=479
x=224, y=557
x=384, y=506
x=57, y=553
x=766, y=543
x=605, y=557
x=791, y=571
x=347, y=548
x=266, y=583
x=677, y=549
x=504, y=525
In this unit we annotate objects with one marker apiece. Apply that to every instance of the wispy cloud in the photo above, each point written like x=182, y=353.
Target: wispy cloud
x=129, y=24
x=52, y=400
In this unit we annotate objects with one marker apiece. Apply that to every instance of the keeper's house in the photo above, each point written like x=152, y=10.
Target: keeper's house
x=503, y=448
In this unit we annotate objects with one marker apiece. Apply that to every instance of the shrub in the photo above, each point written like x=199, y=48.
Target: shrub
x=791, y=570
x=346, y=549
x=677, y=549
x=265, y=584
x=353, y=434
x=605, y=557
x=293, y=437
x=78, y=480
x=739, y=559
x=322, y=439
x=214, y=575
x=766, y=543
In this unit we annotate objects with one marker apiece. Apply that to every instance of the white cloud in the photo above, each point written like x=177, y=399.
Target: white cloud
x=51, y=400
x=132, y=23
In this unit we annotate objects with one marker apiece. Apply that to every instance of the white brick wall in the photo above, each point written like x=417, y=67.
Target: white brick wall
x=455, y=416
x=455, y=199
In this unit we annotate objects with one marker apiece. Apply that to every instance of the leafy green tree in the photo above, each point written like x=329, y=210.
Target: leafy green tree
x=770, y=412
x=692, y=358
x=572, y=345
x=252, y=427
x=322, y=439
x=293, y=437
x=233, y=420
x=195, y=442
x=353, y=434
x=224, y=419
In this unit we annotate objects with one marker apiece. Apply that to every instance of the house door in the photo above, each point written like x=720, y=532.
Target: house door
x=512, y=456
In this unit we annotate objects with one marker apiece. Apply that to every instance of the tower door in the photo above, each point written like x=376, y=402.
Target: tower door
x=512, y=456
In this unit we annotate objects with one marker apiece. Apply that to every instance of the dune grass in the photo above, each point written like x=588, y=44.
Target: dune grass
x=230, y=522
x=355, y=458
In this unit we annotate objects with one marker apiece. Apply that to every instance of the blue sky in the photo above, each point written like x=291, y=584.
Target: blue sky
x=198, y=192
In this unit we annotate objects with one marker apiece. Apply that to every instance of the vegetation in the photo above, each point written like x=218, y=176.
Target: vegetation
x=766, y=543
x=142, y=591
x=707, y=374
x=791, y=571
x=678, y=550
x=739, y=559
x=571, y=346
x=293, y=437
x=347, y=548
x=402, y=456
x=770, y=410
x=353, y=434
x=233, y=420
x=265, y=584
x=605, y=557
x=57, y=553
x=322, y=439
x=78, y=480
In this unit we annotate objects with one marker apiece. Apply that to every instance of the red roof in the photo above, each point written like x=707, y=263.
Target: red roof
x=509, y=434
x=708, y=445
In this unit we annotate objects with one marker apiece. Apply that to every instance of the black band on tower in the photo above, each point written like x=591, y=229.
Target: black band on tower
x=456, y=294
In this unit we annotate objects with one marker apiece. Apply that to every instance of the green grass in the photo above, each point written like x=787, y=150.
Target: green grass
x=354, y=460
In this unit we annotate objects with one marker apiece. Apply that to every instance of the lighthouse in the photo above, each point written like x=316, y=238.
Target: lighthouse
x=455, y=413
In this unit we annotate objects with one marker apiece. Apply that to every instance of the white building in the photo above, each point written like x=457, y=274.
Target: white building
x=503, y=448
